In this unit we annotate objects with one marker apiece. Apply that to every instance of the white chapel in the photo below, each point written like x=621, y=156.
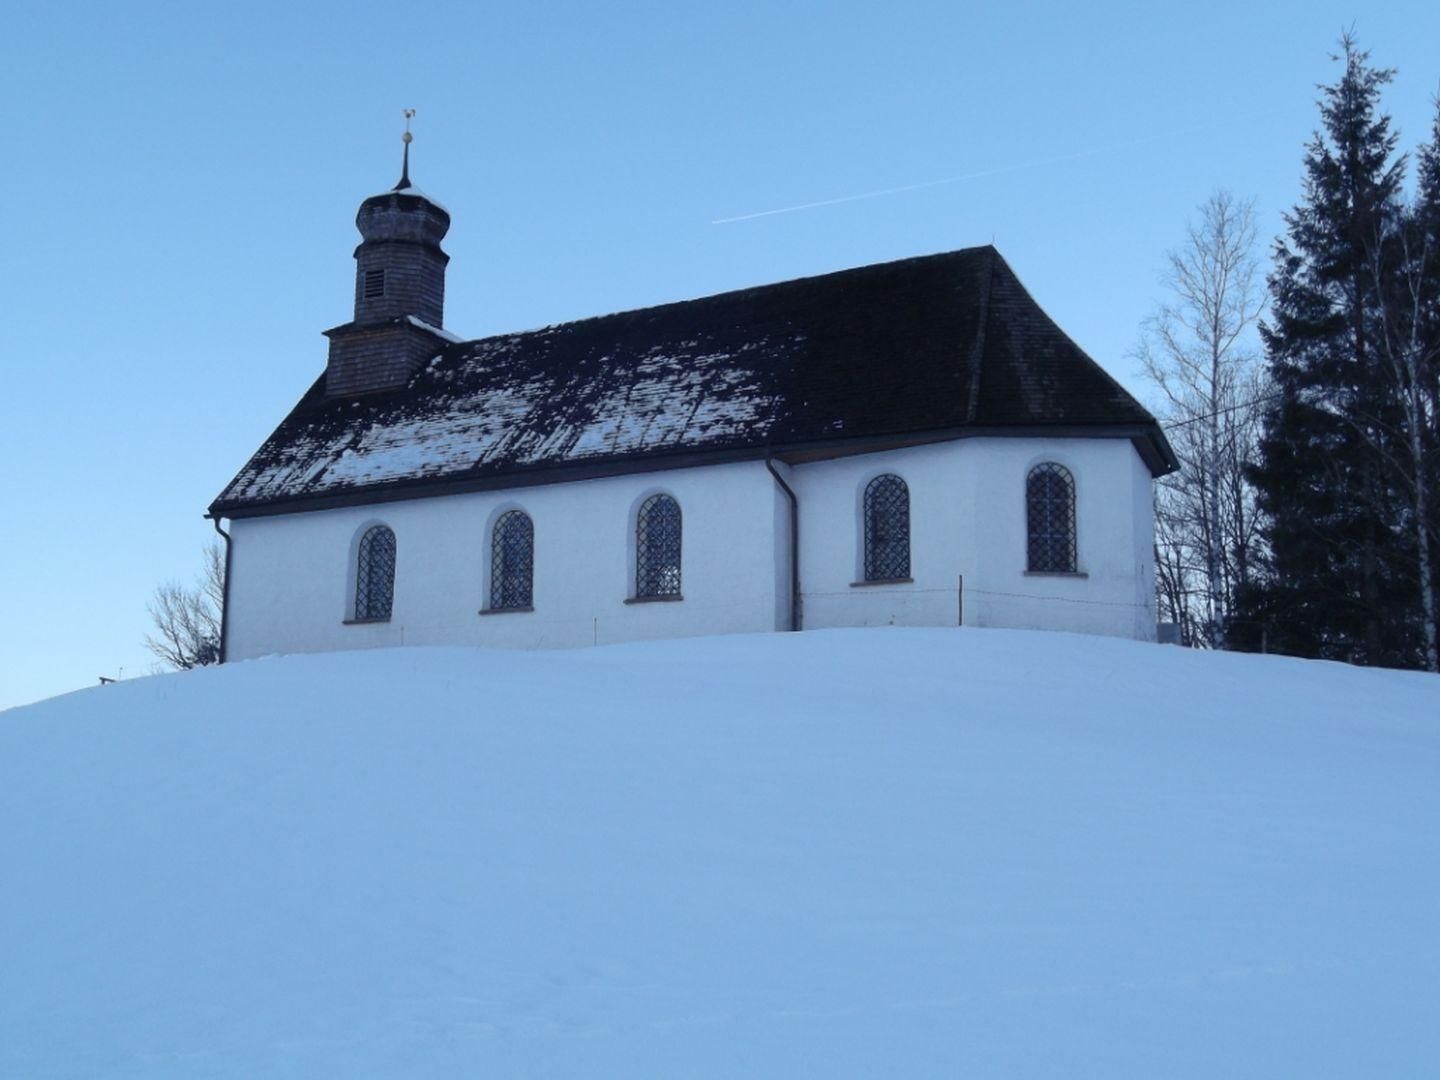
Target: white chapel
x=913, y=443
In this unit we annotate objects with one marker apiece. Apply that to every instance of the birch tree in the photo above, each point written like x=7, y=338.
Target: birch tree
x=1198, y=350
x=1404, y=264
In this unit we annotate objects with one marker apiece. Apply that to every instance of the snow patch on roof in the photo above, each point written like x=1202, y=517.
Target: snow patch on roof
x=439, y=332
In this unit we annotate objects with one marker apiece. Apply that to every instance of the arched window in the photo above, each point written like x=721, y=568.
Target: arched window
x=1050, y=518
x=375, y=575
x=512, y=561
x=887, y=529
x=657, y=547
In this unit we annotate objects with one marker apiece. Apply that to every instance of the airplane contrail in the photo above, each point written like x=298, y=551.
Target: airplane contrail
x=1039, y=163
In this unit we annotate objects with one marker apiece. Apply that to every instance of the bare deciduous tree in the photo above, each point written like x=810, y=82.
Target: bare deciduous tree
x=1197, y=350
x=187, y=620
x=1412, y=364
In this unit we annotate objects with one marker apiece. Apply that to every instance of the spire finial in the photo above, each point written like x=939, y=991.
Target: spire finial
x=407, y=138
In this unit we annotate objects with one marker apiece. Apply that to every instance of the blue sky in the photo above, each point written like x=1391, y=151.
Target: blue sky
x=181, y=182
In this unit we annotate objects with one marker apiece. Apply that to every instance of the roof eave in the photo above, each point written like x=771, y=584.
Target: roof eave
x=1147, y=439
x=1159, y=455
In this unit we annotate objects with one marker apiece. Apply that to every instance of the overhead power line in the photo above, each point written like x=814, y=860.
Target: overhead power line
x=1221, y=412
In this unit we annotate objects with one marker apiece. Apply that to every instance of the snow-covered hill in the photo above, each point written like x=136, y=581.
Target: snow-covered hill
x=855, y=853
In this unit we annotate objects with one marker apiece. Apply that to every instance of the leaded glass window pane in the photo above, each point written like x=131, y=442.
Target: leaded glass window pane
x=375, y=574
x=887, y=529
x=1050, y=514
x=512, y=561
x=657, y=547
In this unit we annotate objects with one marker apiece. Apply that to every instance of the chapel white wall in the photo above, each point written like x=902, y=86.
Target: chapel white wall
x=968, y=524
x=291, y=584
x=292, y=574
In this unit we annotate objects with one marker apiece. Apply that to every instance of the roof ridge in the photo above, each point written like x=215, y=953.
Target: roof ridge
x=667, y=304
x=1091, y=363
x=977, y=348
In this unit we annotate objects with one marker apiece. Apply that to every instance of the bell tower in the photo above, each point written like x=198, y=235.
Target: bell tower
x=399, y=290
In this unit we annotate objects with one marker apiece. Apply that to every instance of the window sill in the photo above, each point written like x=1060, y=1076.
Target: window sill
x=1057, y=573
x=505, y=610
x=883, y=581
x=362, y=622
x=673, y=599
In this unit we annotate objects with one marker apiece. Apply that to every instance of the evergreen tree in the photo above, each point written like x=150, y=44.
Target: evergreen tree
x=1412, y=340
x=1342, y=581
x=1426, y=225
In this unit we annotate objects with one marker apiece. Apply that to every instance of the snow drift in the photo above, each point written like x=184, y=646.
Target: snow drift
x=853, y=853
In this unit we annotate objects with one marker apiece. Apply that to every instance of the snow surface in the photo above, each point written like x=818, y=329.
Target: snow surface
x=866, y=853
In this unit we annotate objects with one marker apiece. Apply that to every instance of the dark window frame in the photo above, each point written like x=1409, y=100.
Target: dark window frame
x=375, y=574
x=372, y=285
x=1050, y=541
x=512, y=562
x=886, y=546
x=659, y=542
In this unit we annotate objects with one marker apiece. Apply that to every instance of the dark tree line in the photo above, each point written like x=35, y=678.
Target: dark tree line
x=1341, y=472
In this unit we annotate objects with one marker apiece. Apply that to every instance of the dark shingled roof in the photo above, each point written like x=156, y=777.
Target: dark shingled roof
x=929, y=348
